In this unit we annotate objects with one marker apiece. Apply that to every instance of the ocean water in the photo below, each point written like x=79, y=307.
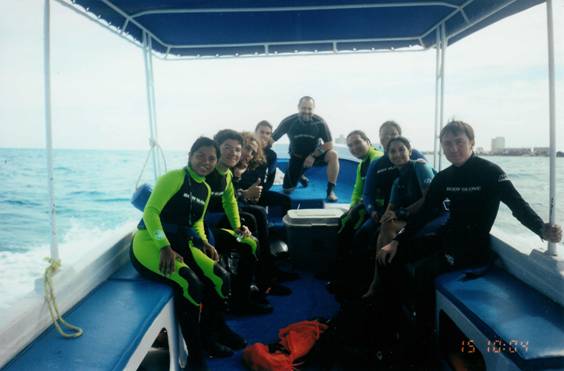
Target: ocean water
x=93, y=188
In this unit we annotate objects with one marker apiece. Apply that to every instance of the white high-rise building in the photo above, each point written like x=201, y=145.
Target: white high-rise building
x=498, y=144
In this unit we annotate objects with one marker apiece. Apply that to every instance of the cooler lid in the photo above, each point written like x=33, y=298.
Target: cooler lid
x=307, y=217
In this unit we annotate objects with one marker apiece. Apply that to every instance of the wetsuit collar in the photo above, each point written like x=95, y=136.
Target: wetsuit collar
x=198, y=178
x=371, y=152
x=472, y=156
x=219, y=170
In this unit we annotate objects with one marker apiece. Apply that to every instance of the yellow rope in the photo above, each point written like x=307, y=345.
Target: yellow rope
x=54, y=265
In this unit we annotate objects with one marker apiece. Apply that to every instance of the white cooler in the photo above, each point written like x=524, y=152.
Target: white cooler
x=312, y=237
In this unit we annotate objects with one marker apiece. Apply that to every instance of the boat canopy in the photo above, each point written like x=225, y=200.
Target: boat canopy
x=228, y=28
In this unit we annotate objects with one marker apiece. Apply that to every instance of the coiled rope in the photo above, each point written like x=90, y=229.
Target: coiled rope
x=56, y=318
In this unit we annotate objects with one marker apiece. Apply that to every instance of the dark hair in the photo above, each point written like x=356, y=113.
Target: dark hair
x=263, y=123
x=391, y=123
x=403, y=140
x=360, y=133
x=457, y=127
x=227, y=134
x=203, y=142
x=306, y=97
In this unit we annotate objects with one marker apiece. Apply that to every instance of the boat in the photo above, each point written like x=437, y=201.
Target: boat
x=161, y=29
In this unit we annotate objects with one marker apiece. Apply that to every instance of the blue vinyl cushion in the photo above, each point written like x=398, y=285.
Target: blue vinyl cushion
x=115, y=316
x=504, y=308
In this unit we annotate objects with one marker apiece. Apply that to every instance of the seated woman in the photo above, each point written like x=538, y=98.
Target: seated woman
x=252, y=157
x=355, y=270
x=171, y=246
x=407, y=194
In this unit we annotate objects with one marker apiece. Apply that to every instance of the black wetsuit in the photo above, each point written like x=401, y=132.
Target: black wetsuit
x=475, y=190
x=304, y=138
x=266, y=173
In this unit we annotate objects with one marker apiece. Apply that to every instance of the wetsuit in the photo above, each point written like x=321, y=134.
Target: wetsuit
x=173, y=217
x=379, y=180
x=356, y=215
x=361, y=172
x=414, y=179
x=304, y=138
x=475, y=190
x=266, y=173
x=238, y=256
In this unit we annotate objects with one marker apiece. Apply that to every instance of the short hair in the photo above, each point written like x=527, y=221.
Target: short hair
x=203, y=142
x=306, y=97
x=263, y=123
x=456, y=127
x=390, y=123
x=401, y=139
x=227, y=134
x=360, y=133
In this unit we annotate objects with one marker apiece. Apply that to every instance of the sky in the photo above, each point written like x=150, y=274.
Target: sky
x=496, y=80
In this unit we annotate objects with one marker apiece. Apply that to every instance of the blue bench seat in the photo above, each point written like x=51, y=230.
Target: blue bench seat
x=505, y=318
x=120, y=319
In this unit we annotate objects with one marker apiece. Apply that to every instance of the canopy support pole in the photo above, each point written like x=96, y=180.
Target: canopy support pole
x=148, y=61
x=437, y=86
x=552, y=122
x=442, y=90
x=441, y=45
x=48, y=131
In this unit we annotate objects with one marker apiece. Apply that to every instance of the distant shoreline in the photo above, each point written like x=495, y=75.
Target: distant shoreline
x=558, y=154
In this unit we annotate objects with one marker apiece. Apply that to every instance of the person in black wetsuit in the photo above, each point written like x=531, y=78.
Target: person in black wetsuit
x=171, y=246
x=310, y=145
x=268, y=276
x=265, y=172
x=475, y=187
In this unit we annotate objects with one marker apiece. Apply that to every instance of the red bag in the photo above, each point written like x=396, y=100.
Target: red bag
x=296, y=341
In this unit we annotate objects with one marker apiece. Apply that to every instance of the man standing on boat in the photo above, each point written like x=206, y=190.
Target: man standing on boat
x=310, y=145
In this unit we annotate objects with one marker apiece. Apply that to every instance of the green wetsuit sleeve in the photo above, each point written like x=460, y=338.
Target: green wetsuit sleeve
x=199, y=224
x=358, y=187
x=229, y=202
x=166, y=187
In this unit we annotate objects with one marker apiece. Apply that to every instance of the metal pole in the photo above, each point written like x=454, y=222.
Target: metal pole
x=153, y=99
x=48, y=132
x=442, y=97
x=552, y=123
x=148, y=82
x=437, y=71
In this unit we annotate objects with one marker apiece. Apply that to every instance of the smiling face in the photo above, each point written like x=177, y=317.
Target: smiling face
x=249, y=151
x=305, y=109
x=230, y=153
x=457, y=147
x=398, y=153
x=264, y=133
x=203, y=160
x=358, y=146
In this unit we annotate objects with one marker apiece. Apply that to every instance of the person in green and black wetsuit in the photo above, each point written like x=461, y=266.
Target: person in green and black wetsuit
x=224, y=219
x=360, y=147
x=171, y=246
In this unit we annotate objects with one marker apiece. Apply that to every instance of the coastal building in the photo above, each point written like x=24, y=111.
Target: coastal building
x=498, y=145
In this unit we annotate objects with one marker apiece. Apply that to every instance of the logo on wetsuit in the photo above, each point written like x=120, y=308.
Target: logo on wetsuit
x=503, y=178
x=194, y=198
x=464, y=189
